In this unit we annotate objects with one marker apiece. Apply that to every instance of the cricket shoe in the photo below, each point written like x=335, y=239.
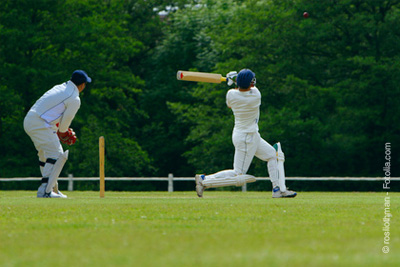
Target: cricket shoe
x=277, y=193
x=199, y=186
x=41, y=193
x=61, y=194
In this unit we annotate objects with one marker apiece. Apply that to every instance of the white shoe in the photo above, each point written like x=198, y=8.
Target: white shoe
x=277, y=193
x=199, y=186
x=41, y=193
x=61, y=194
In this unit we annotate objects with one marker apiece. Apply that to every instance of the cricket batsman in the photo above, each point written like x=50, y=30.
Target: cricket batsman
x=245, y=101
x=47, y=123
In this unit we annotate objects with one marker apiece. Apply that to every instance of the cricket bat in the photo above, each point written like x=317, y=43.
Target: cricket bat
x=199, y=77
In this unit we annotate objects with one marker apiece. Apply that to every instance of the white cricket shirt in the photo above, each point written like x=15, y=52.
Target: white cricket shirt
x=58, y=105
x=246, y=109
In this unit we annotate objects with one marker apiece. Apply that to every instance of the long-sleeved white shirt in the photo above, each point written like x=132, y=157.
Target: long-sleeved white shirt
x=246, y=108
x=58, y=105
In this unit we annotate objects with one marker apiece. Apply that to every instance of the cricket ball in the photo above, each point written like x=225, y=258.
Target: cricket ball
x=305, y=15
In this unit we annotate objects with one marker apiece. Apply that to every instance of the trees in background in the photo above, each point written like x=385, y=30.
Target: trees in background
x=329, y=83
x=43, y=42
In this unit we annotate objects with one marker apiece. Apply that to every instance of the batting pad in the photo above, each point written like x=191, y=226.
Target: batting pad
x=281, y=169
x=56, y=171
x=228, y=181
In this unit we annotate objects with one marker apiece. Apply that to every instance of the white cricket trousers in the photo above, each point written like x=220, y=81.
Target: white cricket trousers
x=44, y=139
x=248, y=145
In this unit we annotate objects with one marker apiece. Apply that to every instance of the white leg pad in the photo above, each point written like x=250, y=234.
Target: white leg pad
x=281, y=169
x=56, y=171
x=228, y=181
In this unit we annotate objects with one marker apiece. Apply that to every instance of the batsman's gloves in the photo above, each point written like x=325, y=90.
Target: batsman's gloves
x=68, y=137
x=231, y=77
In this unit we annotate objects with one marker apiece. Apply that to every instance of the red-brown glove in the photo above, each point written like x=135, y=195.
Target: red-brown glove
x=68, y=137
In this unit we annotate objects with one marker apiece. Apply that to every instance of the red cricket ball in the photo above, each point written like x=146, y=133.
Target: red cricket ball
x=305, y=15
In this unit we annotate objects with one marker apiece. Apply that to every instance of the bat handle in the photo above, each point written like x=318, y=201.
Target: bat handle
x=223, y=79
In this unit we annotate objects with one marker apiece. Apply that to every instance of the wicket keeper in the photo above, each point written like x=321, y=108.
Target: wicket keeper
x=47, y=123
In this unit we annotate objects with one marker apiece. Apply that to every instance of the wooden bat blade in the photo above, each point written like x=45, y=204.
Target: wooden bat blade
x=193, y=76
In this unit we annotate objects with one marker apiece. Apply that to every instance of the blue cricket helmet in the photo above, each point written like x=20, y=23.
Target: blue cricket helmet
x=245, y=78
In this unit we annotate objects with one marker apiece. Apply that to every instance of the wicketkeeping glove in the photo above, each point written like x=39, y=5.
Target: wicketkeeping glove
x=68, y=137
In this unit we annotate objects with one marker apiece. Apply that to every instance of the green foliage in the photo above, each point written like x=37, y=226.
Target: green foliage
x=329, y=83
x=186, y=45
x=42, y=43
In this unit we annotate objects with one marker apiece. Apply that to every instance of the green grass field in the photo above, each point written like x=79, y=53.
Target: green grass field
x=179, y=229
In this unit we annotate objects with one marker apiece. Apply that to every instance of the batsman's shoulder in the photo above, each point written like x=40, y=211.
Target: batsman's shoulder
x=255, y=90
x=232, y=91
x=230, y=94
